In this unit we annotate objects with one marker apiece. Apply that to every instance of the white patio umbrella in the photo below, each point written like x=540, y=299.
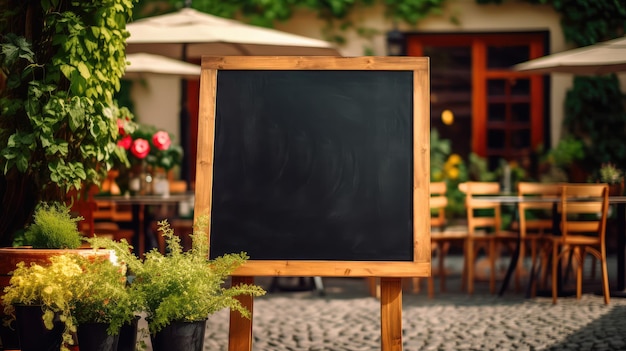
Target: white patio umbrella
x=188, y=33
x=141, y=63
x=601, y=58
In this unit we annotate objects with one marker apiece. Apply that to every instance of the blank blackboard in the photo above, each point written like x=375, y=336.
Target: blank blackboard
x=311, y=164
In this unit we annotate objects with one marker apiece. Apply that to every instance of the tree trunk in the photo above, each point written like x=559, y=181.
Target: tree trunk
x=18, y=203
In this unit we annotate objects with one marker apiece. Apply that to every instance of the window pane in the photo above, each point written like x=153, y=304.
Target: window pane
x=496, y=87
x=495, y=139
x=520, y=87
x=520, y=139
x=451, y=89
x=496, y=113
x=521, y=112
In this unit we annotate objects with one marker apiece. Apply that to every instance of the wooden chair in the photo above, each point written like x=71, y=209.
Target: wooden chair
x=484, y=225
x=441, y=237
x=536, y=221
x=583, y=210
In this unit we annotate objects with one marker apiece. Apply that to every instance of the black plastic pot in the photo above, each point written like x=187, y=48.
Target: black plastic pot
x=128, y=336
x=33, y=334
x=9, y=338
x=94, y=337
x=180, y=336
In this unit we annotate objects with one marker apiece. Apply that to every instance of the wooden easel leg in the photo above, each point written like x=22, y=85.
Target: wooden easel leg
x=240, y=332
x=391, y=314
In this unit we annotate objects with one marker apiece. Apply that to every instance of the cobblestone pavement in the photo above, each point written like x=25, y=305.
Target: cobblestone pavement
x=347, y=318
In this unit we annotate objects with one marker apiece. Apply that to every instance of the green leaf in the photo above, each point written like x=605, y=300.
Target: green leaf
x=67, y=70
x=77, y=114
x=22, y=163
x=84, y=70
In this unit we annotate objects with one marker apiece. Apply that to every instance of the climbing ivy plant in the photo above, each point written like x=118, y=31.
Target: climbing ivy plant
x=585, y=22
x=61, y=62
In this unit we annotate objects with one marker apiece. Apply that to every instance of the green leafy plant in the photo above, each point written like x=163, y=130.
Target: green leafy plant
x=595, y=114
x=610, y=174
x=62, y=61
x=567, y=151
x=102, y=295
x=439, y=151
x=185, y=285
x=53, y=227
x=46, y=286
x=118, y=313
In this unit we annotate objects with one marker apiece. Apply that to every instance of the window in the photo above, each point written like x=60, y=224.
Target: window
x=498, y=113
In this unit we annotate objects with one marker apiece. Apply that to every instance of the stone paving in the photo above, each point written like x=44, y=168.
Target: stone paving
x=347, y=318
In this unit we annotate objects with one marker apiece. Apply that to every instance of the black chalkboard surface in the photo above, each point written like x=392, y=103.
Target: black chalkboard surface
x=316, y=166
x=313, y=165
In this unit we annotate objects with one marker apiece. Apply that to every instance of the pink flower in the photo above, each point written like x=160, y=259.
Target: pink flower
x=161, y=140
x=140, y=148
x=120, y=127
x=125, y=142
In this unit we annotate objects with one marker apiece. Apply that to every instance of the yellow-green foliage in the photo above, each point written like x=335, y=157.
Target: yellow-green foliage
x=102, y=296
x=48, y=286
x=53, y=227
x=187, y=286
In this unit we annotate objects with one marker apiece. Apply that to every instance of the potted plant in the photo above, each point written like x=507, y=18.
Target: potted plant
x=53, y=227
x=52, y=231
x=103, y=303
x=613, y=176
x=128, y=314
x=182, y=288
x=39, y=301
x=151, y=155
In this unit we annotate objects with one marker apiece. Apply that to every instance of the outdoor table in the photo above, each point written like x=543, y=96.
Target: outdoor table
x=619, y=201
x=140, y=205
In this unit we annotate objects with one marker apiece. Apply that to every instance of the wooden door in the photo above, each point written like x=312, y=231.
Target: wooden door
x=498, y=113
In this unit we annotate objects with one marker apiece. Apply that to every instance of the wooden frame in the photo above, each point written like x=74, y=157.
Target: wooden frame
x=390, y=272
x=420, y=266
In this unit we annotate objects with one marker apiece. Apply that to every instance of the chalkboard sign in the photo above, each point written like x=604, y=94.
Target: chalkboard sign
x=316, y=162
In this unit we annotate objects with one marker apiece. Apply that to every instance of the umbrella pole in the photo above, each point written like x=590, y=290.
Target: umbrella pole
x=185, y=140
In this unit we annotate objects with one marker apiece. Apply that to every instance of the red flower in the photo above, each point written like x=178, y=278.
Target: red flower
x=140, y=148
x=120, y=127
x=161, y=140
x=125, y=142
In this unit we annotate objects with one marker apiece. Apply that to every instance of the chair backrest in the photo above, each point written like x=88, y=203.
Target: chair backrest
x=481, y=213
x=438, y=203
x=584, y=210
x=537, y=216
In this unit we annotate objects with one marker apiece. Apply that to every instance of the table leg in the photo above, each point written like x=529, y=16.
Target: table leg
x=514, y=257
x=139, y=241
x=512, y=266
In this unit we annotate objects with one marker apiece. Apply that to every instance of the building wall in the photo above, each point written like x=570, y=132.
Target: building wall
x=157, y=99
x=471, y=17
x=157, y=102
